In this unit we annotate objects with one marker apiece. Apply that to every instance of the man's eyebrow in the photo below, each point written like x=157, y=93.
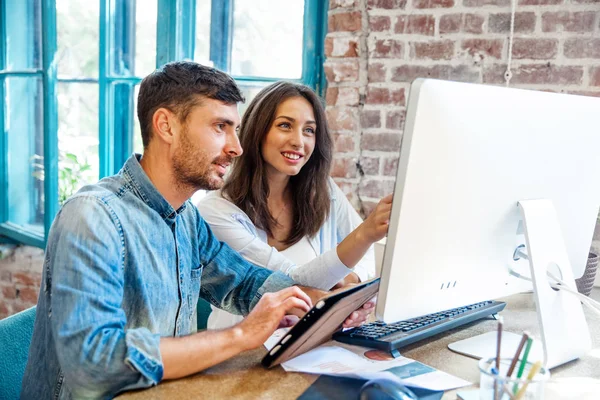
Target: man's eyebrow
x=226, y=121
x=293, y=120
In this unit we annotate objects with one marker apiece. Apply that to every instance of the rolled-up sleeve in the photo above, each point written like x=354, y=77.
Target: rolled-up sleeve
x=98, y=355
x=230, y=282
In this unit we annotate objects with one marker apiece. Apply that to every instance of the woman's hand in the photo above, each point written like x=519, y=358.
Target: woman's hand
x=376, y=225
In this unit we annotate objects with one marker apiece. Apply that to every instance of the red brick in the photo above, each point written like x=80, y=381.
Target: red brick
x=390, y=166
x=537, y=49
x=343, y=143
x=386, y=4
x=453, y=23
x=500, y=23
x=484, y=47
x=344, y=168
x=4, y=310
x=584, y=93
x=481, y=3
x=333, y=4
x=378, y=95
x=20, y=306
x=450, y=23
x=582, y=48
x=345, y=22
x=5, y=276
x=408, y=73
x=341, y=47
x=415, y=24
x=433, y=3
x=9, y=292
x=341, y=71
x=473, y=23
x=379, y=23
x=342, y=118
x=380, y=141
x=369, y=165
x=535, y=74
x=370, y=119
x=331, y=96
x=595, y=76
x=395, y=120
x=434, y=50
x=347, y=96
x=387, y=48
x=568, y=22
x=28, y=295
x=376, y=188
x=28, y=278
x=376, y=72
x=539, y=2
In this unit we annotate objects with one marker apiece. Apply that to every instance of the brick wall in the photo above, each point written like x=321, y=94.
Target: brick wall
x=20, y=277
x=375, y=48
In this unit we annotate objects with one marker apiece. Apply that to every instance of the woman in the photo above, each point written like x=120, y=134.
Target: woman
x=280, y=209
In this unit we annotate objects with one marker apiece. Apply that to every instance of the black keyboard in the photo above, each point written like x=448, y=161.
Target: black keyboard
x=391, y=337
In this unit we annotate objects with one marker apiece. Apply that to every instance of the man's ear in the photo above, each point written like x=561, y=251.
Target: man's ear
x=163, y=122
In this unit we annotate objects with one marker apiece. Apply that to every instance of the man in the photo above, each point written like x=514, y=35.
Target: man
x=128, y=257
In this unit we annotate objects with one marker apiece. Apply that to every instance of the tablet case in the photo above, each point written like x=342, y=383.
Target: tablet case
x=320, y=322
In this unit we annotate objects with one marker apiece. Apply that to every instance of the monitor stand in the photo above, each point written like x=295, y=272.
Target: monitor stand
x=563, y=330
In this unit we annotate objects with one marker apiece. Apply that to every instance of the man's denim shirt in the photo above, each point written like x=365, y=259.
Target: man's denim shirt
x=123, y=269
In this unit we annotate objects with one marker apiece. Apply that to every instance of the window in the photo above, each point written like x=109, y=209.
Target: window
x=70, y=74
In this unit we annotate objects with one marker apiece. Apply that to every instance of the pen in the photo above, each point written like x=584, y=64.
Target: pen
x=513, y=363
x=534, y=370
x=523, y=362
x=498, y=345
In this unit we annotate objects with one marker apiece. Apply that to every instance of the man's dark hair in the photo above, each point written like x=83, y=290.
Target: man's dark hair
x=180, y=86
x=247, y=186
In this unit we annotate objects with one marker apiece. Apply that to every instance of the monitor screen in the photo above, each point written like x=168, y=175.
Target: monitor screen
x=469, y=154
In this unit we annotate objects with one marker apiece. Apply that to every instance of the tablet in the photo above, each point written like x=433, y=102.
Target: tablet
x=320, y=322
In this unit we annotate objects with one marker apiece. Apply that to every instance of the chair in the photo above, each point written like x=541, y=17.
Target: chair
x=15, y=337
x=203, y=310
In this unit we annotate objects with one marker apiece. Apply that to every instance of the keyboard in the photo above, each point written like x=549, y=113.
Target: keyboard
x=391, y=337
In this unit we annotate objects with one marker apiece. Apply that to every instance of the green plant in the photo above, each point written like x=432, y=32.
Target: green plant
x=72, y=173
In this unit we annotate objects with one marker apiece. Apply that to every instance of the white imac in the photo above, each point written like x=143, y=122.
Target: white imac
x=483, y=170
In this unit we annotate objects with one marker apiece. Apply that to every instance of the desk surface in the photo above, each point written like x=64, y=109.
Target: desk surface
x=242, y=377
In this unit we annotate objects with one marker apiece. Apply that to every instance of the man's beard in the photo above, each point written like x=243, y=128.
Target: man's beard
x=192, y=166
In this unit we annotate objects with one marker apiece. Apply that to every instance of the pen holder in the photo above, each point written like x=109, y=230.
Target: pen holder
x=497, y=386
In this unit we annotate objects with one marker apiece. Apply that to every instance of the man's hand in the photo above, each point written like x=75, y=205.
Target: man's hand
x=269, y=313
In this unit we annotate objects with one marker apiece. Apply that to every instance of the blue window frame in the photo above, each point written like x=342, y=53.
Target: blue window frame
x=32, y=82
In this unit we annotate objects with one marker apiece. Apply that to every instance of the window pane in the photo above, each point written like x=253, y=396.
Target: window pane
x=24, y=127
x=23, y=40
x=249, y=92
x=202, y=45
x=78, y=38
x=145, y=37
x=265, y=31
x=78, y=162
x=138, y=146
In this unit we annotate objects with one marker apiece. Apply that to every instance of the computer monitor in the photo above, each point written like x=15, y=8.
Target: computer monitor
x=470, y=154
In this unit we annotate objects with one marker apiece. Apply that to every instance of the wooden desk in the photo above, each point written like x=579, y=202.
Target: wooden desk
x=242, y=377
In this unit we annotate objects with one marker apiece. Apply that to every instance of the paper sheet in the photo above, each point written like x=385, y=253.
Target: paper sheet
x=340, y=359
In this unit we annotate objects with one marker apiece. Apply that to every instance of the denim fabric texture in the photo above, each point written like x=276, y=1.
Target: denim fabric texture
x=123, y=269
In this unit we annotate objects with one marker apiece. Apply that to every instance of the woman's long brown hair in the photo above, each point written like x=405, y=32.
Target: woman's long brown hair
x=247, y=186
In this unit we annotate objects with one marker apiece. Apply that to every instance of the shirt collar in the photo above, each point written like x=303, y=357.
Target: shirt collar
x=145, y=189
